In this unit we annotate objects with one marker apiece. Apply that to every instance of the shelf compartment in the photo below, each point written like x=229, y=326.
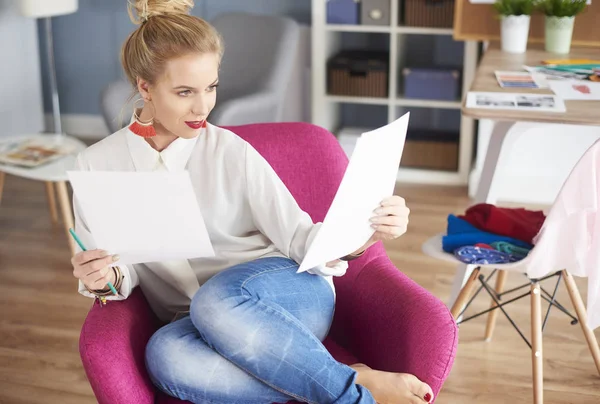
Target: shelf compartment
x=432, y=140
x=431, y=149
x=434, y=14
x=359, y=73
x=427, y=118
x=362, y=116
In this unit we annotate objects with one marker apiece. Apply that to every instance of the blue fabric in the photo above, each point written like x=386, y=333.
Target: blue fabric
x=461, y=233
x=253, y=336
x=482, y=256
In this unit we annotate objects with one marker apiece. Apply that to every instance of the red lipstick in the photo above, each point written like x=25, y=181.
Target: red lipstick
x=195, y=124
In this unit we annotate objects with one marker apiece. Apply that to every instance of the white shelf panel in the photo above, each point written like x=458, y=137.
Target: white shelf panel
x=429, y=177
x=423, y=30
x=385, y=29
x=415, y=102
x=359, y=28
x=358, y=100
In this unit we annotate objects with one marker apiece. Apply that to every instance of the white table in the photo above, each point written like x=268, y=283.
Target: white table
x=54, y=174
x=510, y=125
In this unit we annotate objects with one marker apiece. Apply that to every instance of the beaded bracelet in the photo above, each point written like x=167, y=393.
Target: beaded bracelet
x=102, y=293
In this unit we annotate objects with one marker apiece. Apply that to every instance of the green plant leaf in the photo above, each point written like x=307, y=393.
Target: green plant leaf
x=514, y=7
x=560, y=8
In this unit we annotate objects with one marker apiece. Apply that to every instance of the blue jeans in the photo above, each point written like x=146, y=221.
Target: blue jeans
x=254, y=336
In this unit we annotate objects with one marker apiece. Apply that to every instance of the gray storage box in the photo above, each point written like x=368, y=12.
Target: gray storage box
x=375, y=12
x=432, y=83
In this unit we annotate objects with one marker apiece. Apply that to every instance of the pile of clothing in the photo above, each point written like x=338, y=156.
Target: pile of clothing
x=487, y=234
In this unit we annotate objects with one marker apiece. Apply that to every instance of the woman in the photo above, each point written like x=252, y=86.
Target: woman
x=252, y=327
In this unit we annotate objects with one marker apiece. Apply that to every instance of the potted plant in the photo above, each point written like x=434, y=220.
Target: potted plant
x=560, y=18
x=514, y=26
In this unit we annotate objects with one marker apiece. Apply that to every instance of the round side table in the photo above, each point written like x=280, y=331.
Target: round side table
x=54, y=174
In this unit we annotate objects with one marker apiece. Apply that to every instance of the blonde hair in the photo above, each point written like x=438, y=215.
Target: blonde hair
x=166, y=31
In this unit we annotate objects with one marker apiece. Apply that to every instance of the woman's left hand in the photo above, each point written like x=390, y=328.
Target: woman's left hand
x=390, y=220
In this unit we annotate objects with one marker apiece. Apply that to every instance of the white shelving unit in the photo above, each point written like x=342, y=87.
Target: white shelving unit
x=326, y=42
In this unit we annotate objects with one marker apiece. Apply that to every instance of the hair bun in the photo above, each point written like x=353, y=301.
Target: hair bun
x=144, y=9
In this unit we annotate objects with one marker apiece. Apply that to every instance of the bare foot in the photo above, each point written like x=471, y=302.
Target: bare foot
x=393, y=388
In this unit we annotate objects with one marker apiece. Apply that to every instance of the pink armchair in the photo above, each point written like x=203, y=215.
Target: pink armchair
x=382, y=317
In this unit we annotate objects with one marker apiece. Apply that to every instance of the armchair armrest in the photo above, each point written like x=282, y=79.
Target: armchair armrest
x=246, y=109
x=393, y=324
x=122, y=327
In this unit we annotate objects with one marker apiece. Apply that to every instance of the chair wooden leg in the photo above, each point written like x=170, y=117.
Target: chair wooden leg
x=463, y=272
x=2, y=176
x=464, y=294
x=493, y=315
x=52, y=201
x=65, y=207
x=536, y=344
x=581, y=315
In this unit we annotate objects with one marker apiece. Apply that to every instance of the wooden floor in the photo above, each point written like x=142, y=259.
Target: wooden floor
x=41, y=314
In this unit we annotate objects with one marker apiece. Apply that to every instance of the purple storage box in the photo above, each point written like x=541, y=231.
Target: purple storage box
x=343, y=12
x=431, y=83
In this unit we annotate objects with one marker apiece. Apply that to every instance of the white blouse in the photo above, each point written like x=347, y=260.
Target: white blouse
x=248, y=211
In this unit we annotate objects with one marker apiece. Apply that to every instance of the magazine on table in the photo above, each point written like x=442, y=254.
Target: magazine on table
x=33, y=152
x=516, y=101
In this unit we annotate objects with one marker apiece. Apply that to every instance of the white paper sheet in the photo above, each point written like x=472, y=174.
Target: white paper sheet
x=576, y=89
x=142, y=216
x=369, y=178
x=516, y=101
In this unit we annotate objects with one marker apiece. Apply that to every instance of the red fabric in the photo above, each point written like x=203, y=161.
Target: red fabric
x=518, y=223
x=382, y=318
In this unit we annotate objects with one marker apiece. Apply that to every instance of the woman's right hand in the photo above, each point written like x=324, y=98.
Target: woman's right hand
x=92, y=268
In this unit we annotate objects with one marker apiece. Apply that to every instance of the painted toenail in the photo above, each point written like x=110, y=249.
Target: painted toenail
x=427, y=397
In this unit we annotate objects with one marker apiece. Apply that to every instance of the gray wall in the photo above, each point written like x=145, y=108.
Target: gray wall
x=87, y=45
x=20, y=92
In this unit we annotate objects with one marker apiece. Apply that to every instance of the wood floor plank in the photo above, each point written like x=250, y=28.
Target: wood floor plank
x=15, y=393
x=41, y=313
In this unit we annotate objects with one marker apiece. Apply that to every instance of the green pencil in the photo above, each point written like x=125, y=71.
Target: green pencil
x=110, y=285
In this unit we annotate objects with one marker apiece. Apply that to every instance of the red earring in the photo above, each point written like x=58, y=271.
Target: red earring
x=140, y=128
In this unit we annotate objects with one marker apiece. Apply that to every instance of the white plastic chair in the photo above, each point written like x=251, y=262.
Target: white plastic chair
x=543, y=262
